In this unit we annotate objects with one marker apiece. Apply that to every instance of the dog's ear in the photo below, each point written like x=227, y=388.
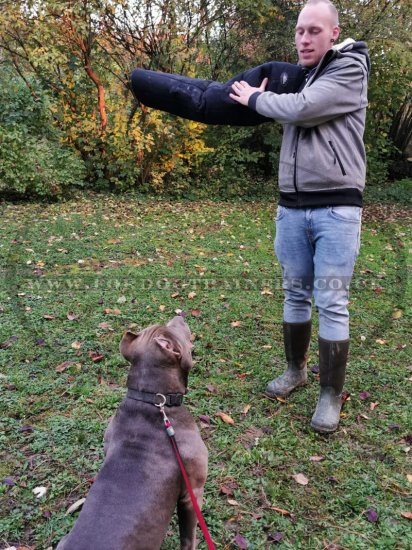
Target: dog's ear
x=168, y=346
x=172, y=349
x=126, y=344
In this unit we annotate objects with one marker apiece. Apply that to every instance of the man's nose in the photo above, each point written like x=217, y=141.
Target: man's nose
x=305, y=37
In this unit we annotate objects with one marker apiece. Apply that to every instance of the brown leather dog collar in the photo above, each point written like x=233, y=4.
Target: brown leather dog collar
x=172, y=399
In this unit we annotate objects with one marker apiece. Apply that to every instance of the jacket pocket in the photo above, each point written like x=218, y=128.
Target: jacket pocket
x=337, y=158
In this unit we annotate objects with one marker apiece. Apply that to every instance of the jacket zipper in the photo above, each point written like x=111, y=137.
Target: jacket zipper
x=337, y=158
x=295, y=156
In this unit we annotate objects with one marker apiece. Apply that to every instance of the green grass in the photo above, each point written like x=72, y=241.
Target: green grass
x=89, y=257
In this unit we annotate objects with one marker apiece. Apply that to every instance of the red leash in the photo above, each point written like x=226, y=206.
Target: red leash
x=171, y=433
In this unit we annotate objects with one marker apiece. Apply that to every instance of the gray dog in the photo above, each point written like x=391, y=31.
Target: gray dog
x=130, y=504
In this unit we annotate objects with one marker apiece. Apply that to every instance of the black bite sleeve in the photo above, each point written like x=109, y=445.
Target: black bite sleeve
x=208, y=101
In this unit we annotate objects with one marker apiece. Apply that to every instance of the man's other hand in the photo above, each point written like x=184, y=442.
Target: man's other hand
x=242, y=91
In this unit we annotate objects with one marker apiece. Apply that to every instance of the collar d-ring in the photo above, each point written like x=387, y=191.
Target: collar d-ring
x=163, y=402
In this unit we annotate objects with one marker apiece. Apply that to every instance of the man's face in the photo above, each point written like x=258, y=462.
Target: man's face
x=315, y=31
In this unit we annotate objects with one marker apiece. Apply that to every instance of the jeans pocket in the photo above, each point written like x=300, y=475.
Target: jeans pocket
x=280, y=213
x=346, y=213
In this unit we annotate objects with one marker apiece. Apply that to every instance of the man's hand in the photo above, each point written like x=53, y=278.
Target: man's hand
x=242, y=91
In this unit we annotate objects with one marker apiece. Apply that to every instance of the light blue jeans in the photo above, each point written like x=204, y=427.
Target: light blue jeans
x=317, y=249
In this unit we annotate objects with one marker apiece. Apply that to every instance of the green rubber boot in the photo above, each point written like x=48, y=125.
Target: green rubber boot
x=296, y=338
x=333, y=357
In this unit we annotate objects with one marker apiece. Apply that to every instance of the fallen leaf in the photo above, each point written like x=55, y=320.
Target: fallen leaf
x=316, y=458
x=8, y=481
x=372, y=515
x=407, y=515
x=75, y=506
x=229, y=487
x=394, y=427
x=374, y=405
x=191, y=295
x=63, y=366
x=122, y=300
x=345, y=396
x=301, y=479
x=266, y=292
x=95, y=356
x=226, y=418
x=397, y=314
x=195, y=312
x=8, y=343
x=241, y=542
x=268, y=346
x=380, y=341
x=110, y=311
x=204, y=418
x=106, y=326
x=246, y=410
x=364, y=395
x=48, y=316
x=281, y=399
x=211, y=388
x=72, y=316
x=250, y=438
x=39, y=491
x=26, y=429
x=409, y=477
x=232, y=502
x=76, y=345
x=162, y=307
x=235, y=324
x=275, y=537
x=315, y=369
x=281, y=511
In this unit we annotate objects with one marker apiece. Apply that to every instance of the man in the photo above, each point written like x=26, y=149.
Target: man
x=321, y=179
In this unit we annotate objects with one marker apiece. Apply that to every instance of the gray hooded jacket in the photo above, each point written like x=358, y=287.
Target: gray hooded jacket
x=322, y=159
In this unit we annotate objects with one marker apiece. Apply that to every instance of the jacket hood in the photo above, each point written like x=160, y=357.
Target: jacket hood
x=345, y=49
x=357, y=50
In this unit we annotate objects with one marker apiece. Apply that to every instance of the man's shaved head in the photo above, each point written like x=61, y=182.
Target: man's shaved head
x=331, y=7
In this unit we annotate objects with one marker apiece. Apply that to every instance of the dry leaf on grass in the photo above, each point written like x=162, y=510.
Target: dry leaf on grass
x=301, y=479
x=114, y=311
x=75, y=506
x=316, y=458
x=226, y=418
x=281, y=511
x=246, y=410
x=63, y=366
x=39, y=491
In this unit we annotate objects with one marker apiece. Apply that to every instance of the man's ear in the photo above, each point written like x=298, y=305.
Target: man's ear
x=126, y=344
x=335, y=33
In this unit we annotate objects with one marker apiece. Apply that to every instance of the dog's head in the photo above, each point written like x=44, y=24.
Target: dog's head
x=159, y=347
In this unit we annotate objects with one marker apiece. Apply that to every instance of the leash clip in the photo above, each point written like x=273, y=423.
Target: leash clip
x=169, y=428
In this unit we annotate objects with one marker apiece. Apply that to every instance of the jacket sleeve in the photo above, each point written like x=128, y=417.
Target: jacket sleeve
x=208, y=101
x=339, y=90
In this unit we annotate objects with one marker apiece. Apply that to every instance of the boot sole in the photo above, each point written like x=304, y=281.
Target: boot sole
x=323, y=429
x=274, y=395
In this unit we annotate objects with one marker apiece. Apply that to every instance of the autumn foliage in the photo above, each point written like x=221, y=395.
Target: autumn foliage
x=71, y=62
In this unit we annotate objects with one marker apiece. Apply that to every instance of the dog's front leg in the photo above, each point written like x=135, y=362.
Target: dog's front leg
x=108, y=434
x=188, y=520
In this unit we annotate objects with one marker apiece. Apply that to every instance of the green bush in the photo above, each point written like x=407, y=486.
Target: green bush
x=33, y=161
x=30, y=165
